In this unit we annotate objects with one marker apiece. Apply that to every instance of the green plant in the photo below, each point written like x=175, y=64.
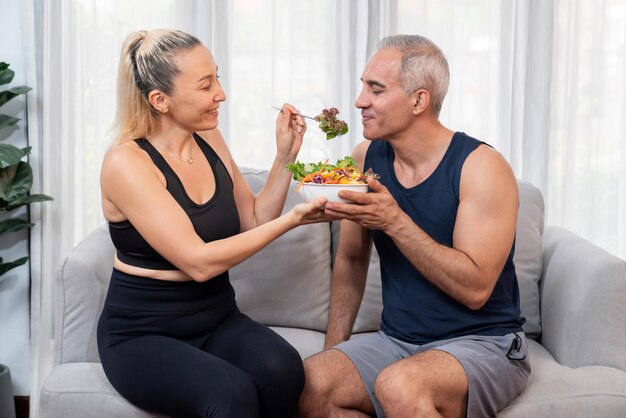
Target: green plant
x=16, y=176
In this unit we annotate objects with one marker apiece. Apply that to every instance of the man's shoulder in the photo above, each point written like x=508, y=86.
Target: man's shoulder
x=464, y=138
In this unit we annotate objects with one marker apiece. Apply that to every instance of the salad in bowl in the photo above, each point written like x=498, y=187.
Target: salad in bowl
x=323, y=179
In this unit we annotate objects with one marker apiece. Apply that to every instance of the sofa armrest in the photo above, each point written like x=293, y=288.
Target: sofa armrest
x=583, y=290
x=82, y=281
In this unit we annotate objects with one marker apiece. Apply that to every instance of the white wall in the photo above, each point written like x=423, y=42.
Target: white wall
x=14, y=285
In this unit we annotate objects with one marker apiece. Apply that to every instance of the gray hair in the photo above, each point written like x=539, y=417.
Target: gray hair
x=423, y=66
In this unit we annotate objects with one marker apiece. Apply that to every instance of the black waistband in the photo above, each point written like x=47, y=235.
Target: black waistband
x=146, y=294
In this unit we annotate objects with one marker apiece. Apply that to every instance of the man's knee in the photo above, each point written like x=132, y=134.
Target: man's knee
x=319, y=378
x=410, y=388
x=395, y=386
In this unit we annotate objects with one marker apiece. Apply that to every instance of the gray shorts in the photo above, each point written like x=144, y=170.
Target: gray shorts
x=497, y=368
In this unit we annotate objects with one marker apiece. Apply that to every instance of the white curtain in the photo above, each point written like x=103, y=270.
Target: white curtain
x=587, y=172
x=540, y=80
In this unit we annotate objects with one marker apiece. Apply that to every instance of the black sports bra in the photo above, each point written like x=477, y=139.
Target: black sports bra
x=215, y=219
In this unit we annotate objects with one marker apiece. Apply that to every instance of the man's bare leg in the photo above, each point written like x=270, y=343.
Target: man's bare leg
x=333, y=388
x=429, y=384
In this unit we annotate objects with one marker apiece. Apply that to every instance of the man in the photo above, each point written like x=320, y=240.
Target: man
x=442, y=217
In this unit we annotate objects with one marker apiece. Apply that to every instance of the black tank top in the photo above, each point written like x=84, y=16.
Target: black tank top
x=215, y=219
x=415, y=310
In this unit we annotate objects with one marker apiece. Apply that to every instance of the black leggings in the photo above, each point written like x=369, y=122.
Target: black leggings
x=185, y=350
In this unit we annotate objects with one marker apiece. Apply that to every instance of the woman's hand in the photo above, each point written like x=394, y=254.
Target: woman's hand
x=290, y=130
x=312, y=212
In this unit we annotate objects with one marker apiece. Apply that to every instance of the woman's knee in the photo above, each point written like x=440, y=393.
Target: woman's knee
x=280, y=379
x=283, y=367
x=238, y=397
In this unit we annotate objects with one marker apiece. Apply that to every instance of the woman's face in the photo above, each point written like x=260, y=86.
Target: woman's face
x=197, y=92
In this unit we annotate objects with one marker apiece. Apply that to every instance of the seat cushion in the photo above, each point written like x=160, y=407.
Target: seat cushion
x=554, y=390
x=306, y=341
x=79, y=390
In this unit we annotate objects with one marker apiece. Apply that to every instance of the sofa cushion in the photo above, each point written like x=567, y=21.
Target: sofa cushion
x=79, y=390
x=554, y=390
x=287, y=284
x=527, y=258
x=306, y=341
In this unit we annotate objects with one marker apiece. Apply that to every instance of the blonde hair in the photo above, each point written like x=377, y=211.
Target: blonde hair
x=423, y=66
x=146, y=64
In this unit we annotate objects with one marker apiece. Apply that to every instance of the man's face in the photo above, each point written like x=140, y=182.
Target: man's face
x=386, y=110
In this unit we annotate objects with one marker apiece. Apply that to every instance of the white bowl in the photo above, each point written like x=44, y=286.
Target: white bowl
x=311, y=191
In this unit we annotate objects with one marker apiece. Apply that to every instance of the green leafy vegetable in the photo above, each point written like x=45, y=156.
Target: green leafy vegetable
x=330, y=124
x=299, y=170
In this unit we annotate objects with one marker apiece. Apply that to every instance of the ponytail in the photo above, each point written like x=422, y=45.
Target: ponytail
x=146, y=64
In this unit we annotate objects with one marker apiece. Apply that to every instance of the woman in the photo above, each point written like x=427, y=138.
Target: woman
x=170, y=337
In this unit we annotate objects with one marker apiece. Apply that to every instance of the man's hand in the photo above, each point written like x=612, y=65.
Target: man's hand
x=376, y=210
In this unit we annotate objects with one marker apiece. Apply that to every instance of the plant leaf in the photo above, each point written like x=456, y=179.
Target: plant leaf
x=28, y=199
x=6, y=120
x=7, y=95
x=4, y=267
x=24, y=200
x=15, y=182
x=13, y=225
x=6, y=74
x=11, y=155
x=6, y=178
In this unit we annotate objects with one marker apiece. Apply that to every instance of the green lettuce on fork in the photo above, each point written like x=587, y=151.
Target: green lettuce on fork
x=330, y=124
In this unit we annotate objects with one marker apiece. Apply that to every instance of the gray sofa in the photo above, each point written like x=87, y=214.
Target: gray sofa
x=573, y=296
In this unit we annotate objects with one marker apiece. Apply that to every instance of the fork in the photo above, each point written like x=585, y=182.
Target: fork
x=297, y=114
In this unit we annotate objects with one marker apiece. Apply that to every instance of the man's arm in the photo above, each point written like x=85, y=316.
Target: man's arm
x=348, y=281
x=349, y=271
x=483, y=232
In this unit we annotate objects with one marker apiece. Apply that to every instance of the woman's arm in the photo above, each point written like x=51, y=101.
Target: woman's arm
x=269, y=202
x=132, y=187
